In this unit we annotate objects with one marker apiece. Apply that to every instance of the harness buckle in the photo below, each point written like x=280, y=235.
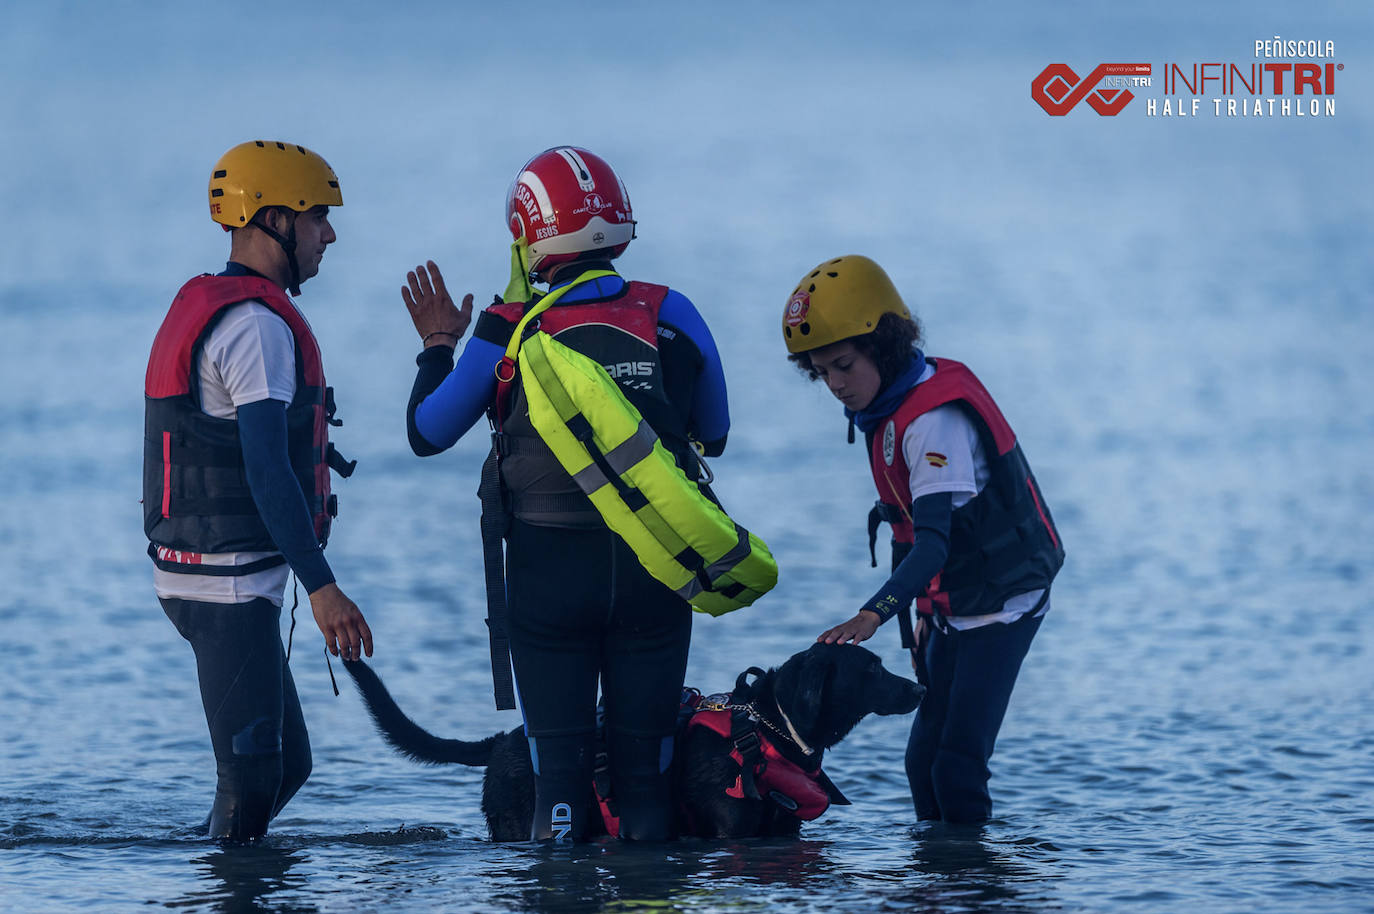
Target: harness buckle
x=330, y=408
x=508, y=364
x=748, y=744
x=720, y=701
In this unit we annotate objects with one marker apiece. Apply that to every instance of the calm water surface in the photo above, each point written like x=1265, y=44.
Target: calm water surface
x=1175, y=317
x=1192, y=727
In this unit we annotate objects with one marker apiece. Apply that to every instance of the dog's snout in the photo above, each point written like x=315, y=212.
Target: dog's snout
x=901, y=696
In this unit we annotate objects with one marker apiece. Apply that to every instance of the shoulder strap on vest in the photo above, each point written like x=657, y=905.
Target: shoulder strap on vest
x=954, y=381
x=195, y=306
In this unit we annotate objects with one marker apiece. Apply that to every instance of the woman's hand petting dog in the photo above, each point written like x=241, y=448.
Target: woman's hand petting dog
x=859, y=628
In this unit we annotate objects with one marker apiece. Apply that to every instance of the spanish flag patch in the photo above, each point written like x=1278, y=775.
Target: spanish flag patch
x=936, y=459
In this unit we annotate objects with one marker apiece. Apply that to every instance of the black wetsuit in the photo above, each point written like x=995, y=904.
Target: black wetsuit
x=257, y=731
x=582, y=608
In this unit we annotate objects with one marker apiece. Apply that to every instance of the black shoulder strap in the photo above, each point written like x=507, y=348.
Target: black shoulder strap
x=744, y=735
x=495, y=525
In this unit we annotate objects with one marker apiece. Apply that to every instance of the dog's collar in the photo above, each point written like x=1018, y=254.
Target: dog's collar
x=791, y=730
x=725, y=702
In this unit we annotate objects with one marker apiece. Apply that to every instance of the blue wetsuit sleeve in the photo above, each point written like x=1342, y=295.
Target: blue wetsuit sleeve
x=277, y=493
x=930, y=516
x=445, y=403
x=710, y=415
x=433, y=364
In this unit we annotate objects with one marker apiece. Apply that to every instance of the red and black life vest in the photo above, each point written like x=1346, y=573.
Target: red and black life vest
x=195, y=490
x=1003, y=541
x=620, y=334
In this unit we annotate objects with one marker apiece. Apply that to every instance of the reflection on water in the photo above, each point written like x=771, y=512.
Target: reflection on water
x=239, y=879
x=687, y=875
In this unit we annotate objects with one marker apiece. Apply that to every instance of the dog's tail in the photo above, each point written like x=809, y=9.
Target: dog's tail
x=408, y=737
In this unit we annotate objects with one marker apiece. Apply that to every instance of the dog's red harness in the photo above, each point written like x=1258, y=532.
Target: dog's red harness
x=773, y=775
x=764, y=772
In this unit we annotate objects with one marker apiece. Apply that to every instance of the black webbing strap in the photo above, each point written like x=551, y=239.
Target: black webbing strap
x=905, y=627
x=272, y=561
x=495, y=525
x=875, y=520
x=881, y=513
x=330, y=408
x=581, y=429
x=744, y=735
x=339, y=463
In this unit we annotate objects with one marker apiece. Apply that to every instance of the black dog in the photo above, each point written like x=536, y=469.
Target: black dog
x=750, y=767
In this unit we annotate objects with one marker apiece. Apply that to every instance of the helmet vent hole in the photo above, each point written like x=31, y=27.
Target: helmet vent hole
x=805, y=328
x=281, y=146
x=216, y=192
x=302, y=203
x=836, y=260
x=301, y=150
x=261, y=144
x=333, y=183
x=814, y=275
x=221, y=173
x=788, y=331
x=813, y=288
x=832, y=275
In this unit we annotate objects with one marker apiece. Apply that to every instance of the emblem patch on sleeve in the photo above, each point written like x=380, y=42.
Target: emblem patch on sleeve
x=936, y=459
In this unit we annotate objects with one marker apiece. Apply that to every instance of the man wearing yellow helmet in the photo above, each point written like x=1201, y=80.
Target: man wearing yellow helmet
x=236, y=487
x=973, y=540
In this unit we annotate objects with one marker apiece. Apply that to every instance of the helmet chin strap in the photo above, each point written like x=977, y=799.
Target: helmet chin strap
x=288, y=246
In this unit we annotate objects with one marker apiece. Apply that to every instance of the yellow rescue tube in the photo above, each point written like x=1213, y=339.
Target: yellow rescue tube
x=681, y=537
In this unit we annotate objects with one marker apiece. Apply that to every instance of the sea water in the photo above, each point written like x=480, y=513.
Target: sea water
x=1183, y=346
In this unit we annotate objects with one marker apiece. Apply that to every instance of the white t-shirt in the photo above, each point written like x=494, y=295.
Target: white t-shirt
x=944, y=453
x=250, y=355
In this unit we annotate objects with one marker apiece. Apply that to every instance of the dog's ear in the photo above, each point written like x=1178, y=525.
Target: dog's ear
x=814, y=678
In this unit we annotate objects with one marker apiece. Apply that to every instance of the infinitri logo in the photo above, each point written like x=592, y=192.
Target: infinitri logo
x=1058, y=89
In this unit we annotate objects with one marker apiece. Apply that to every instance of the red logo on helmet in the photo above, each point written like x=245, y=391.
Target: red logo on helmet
x=797, y=307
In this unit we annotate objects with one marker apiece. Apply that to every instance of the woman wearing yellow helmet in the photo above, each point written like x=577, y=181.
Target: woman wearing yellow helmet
x=973, y=542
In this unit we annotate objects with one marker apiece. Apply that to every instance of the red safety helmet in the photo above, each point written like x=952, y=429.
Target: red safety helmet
x=566, y=202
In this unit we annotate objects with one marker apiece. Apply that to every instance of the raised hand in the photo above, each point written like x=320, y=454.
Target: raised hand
x=431, y=308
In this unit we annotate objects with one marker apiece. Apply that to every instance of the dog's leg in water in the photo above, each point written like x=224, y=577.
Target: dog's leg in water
x=562, y=786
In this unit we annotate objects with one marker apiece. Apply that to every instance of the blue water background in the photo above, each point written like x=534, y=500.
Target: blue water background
x=1174, y=315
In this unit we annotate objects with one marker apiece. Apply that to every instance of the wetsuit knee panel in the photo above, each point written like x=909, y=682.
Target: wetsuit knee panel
x=259, y=737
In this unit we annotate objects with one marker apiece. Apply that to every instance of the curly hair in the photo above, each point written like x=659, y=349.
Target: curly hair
x=889, y=346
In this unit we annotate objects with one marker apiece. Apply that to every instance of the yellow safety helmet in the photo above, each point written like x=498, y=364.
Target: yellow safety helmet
x=265, y=173
x=841, y=298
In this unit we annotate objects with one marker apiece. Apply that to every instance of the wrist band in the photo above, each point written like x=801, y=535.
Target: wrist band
x=885, y=607
x=426, y=337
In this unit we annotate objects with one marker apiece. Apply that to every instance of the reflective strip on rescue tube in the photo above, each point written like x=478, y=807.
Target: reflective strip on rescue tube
x=681, y=537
